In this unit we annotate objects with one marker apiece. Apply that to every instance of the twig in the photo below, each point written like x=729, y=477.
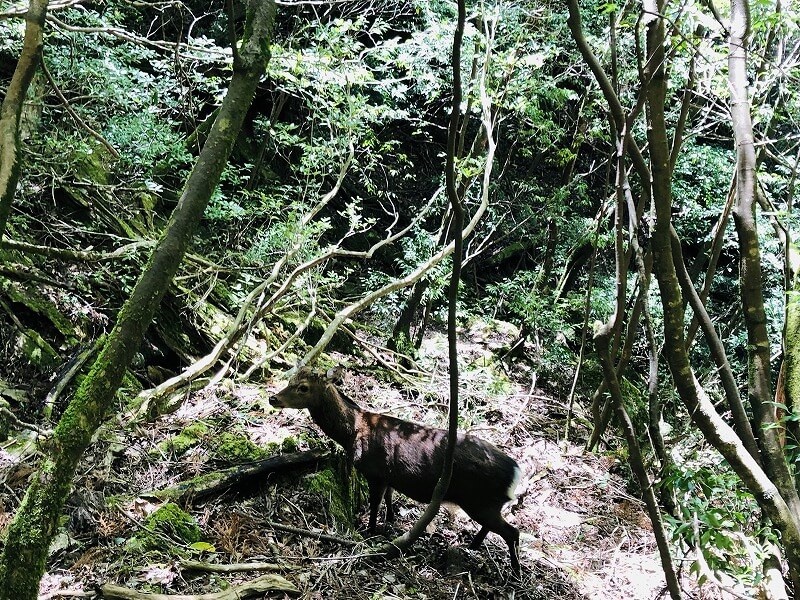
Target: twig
x=22, y=424
x=74, y=255
x=374, y=352
x=203, y=53
x=83, y=125
x=311, y=534
x=234, y=567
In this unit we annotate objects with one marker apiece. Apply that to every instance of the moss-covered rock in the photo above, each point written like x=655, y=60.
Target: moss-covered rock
x=35, y=301
x=290, y=444
x=168, y=522
x=36, y=350
x=236, y=447
x=343, y=494
x=186, y=439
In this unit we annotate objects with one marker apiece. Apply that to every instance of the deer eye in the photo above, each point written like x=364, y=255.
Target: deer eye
x=303, y=388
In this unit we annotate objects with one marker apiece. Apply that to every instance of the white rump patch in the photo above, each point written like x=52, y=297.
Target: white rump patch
x=511, y=492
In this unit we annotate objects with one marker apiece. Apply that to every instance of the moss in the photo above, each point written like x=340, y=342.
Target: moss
x=313, y=441
x=327, y=485
x=92, y=163
x=37, y=302
x=186, y=439
x=130, y=386
x=171, y=521
x=289, y=444
x=36, y=349
x=343, y=496
x=236, y=447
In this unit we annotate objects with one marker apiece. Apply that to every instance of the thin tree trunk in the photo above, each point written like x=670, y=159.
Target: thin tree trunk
x=403, y=542
x=744, y=215
x=602, y=339
x=11, y=109
x=699, y=406
x=22, y=562
x=740, y=421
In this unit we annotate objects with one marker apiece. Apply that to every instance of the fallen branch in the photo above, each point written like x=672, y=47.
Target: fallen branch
x=218, y=481
x=78, y=363
x=264, y=305
x=194, y=565
x=68, y=594
x=7, y=415
x=75, y=255
x=312, y=534
x=265, y=583
x=255, y=300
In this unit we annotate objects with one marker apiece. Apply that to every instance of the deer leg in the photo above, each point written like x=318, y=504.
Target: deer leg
x=489, y=518
x=389, y=506
x=377, y=489
x=478, y=539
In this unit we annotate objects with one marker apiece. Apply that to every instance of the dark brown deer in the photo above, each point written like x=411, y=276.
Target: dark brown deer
x=393, y=453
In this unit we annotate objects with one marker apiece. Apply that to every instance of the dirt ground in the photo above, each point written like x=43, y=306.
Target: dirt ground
x=582, y=534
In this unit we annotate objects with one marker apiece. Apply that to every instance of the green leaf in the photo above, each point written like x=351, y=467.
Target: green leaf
x=202, y=547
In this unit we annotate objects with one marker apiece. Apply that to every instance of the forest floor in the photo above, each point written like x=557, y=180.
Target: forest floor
x=582, y=534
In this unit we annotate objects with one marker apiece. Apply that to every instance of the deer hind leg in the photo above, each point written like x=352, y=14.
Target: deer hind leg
x=478, y=539
x=489, y=518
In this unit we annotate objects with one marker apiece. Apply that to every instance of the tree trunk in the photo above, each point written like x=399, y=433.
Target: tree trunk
x=602, y=338
x=11, y=110
x=702, y=410
x=22, y=562
x=405, y=541
x=744, y=215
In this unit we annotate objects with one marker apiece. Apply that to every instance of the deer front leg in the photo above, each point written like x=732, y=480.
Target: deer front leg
x=377, y=489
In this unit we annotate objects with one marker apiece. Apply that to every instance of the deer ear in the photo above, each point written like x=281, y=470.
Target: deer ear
x=335, y=375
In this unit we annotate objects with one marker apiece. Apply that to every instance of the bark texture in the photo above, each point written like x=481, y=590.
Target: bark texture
x=744, y=215
x=11, y=110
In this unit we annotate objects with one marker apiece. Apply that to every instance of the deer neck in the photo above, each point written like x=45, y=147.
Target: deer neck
x=337, y=420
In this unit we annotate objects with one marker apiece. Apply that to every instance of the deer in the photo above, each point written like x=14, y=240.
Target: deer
x=395, y=454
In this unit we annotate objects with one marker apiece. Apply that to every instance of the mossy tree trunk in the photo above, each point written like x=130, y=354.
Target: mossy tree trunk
x=750, y=273
x=716, y=431
x=11, y=110
x=22, y=562
x=760, y=389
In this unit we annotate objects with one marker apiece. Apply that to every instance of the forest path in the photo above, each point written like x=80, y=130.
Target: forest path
x=583, y=535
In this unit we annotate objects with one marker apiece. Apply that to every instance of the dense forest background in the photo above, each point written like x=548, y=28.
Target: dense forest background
x=628, y=173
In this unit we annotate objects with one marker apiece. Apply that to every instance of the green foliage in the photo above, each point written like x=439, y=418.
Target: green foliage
x=717, y=517
x=186, y=439
x=702, y=176
x=150, y=147
x=517, y=298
